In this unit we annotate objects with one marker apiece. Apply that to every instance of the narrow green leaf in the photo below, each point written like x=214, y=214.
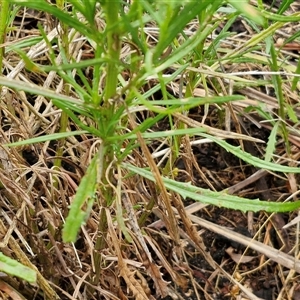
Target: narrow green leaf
x=77, y=65
x=45, y=138
x=23, y=43
x=245, y=156
x=221, y=199
x=284, y=6
x=29, y=64
x=41, y=5
x=192, y=101
x=169, y=133
x=248, y=10
x=187, y=47
x=171, y=26
x=68, y=109
x=279, y=18
x=14, y=268
x=82, y=203
x=291, y=113
x=296, y=78
x=37, y=90
x=271, y=143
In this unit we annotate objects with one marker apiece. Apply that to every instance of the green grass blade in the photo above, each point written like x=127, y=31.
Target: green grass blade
x=66, y=18
x=175, y=23
x=279, y=18
x=256, y=162
x=168, y=133
x=37, y=90
x=221, y=199
x=4, y=18
x=296, y=78
x=248, y=10
x=179, y=105
x=187, y=47
x=284, y=6
x=78, y=65
x=27, y=42
x=84, y=197
x=14, y=268
x=271, y=143
x=45, y=138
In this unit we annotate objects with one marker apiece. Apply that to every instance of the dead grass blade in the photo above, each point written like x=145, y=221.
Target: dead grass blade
x=275, y=255
x=32, y=53
x=128, y=275
x=238, y=258
x=161, y=286
x=215, y=131
x=9, y=290
x=179, y=280
x=15, y=192
x=152, y=269
x=191, y=230
x=168, y=219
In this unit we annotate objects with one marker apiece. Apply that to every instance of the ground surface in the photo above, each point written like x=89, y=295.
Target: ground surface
x=210, y=262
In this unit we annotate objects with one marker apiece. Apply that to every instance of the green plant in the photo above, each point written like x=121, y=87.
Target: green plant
x=105, y=106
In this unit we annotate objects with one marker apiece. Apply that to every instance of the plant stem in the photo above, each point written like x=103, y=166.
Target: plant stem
x=111, y=9
x=281, y=101
x=4, y=14
x=106, y=196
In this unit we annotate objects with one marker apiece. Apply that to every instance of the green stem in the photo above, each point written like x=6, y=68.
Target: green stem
x=106, y=199
x=281, y=100
x=111, y=9
x=4, y=14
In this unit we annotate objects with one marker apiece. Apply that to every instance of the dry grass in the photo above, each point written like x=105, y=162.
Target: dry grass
x=174, y=245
